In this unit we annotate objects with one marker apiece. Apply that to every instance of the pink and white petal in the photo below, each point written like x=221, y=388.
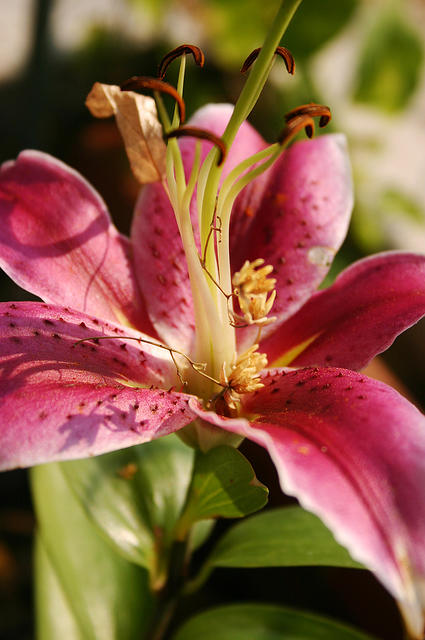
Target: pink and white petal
x=158, y=252
x=57, y=241
x=296, y=217
x=61, y=399
x=352, y=450
x=359, y=316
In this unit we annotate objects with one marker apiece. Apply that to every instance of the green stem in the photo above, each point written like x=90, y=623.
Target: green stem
x=260, y=70
x=171, y=594
x=246, y=101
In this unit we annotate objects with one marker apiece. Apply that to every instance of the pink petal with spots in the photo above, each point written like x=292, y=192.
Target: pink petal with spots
x=352, y=450
x=158, y=252
x=295, y=217
x=359, y=316
x=61, y=399
x=57, y=241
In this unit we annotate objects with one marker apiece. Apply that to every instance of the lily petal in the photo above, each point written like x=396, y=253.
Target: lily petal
x=57, y=241
x=61, y=399
x=359, y=316
x=295, y=217
x=158, y=251
x=352, y=450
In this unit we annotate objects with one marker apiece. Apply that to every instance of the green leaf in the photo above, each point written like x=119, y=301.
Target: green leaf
x=54, y=618
x=80, y=575
x=390, y=64
x=135, y=497
x=223, y=485
x=280, y=538
x=263, y=622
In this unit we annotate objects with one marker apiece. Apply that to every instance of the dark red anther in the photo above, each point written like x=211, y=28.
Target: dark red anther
x=294, y=126
x=284, y=53
x=143, y=82
x=203, y=134
x=198, y=56
x=313, y=110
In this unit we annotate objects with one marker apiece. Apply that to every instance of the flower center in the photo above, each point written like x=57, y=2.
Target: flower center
x=225, y=375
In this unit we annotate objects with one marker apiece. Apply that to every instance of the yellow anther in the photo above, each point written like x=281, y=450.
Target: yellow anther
x=252, y=285
x=244, y=376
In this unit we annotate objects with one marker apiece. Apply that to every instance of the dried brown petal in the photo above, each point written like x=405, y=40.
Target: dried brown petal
x=153, y=84
x=139, y=126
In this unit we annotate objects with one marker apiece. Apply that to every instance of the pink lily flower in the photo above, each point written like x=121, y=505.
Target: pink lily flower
x=351, y=449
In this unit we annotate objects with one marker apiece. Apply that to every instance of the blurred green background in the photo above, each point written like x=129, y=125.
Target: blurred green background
x=364, y=58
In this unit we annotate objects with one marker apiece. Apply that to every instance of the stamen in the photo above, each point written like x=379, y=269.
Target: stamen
x=313, y=110
x=144, y=82
x=203, y=134
x=199, y=367
x=244, y=378
x=294, y=126
x=251, y=287
x=284, y=53
x=198, y=56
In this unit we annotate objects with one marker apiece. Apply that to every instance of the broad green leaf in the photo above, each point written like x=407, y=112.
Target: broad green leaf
x=107, y=597
x=263, y=622
x=54, y=617
x=282, y=537
x=135, y=497
x=390, y=64
x=223, y=485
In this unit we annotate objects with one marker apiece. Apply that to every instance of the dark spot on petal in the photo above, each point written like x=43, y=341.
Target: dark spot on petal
x=136, y=406
x=36, y=333
x=123, y=346
x=12, y=325
x=275, y=390
x=83, y=325
x=48, y=322
x=43, y=415
x=56, y=336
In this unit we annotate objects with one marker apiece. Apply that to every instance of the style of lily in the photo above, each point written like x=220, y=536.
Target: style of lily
x=207, y=321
